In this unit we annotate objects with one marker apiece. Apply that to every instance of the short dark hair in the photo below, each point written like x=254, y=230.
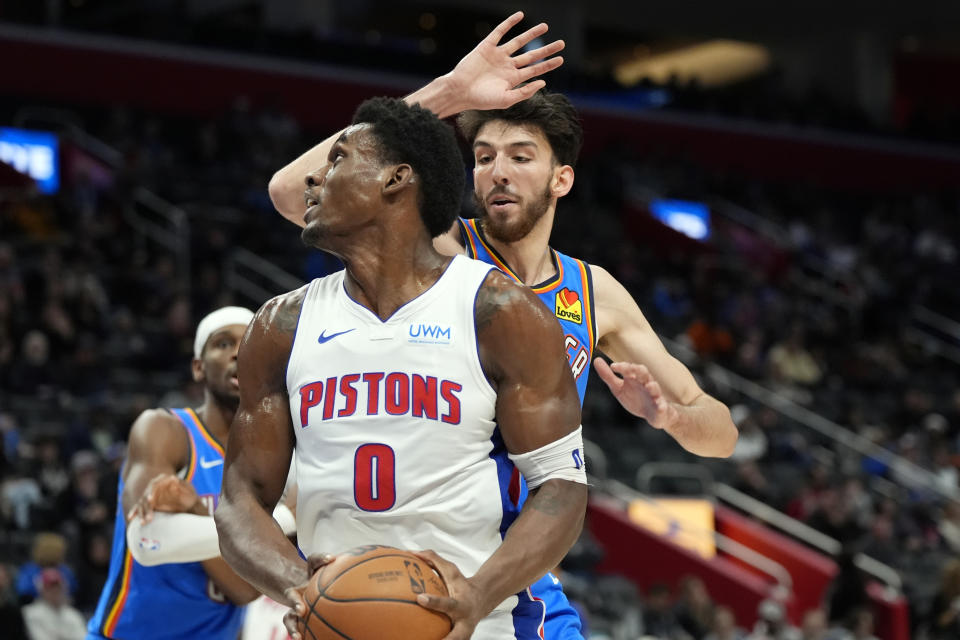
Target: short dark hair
x=551, y=112
x=415, y=136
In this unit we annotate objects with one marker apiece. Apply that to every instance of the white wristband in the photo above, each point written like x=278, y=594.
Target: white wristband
x=285, y=518
x=561, y=459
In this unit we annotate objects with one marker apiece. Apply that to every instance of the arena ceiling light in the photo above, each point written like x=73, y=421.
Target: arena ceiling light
x=714, y=63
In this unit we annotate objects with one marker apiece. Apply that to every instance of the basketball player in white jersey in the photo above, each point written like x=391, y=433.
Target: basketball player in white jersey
x=410, y=385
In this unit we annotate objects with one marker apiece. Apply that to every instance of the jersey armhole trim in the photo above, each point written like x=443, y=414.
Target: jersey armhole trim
x=589, y=308
x=466, y=239
x=296, y=332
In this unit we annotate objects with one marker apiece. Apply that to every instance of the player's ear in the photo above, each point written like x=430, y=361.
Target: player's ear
x=196, y=368
x=562, y=181
x=398, y=178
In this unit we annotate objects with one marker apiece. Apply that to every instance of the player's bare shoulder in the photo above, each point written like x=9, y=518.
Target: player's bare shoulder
x=157, y=433
x=513, y=326
x=268, y=341
x=501, y=301
x=282, y=313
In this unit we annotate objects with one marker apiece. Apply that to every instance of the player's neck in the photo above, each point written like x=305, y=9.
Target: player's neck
x=529, y=257
x=385, y=279
x=216, y=417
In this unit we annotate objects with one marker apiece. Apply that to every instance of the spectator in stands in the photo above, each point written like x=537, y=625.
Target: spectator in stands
x=694, y=607
x=19, y=495
x=93, y=569
x=814, y=625
x=752, y=443
x=858, y=501
x=751, y=480
x=790, y=361
x=49, y=552
x=50, y=617
x=944, y=620
x=659, y=618
x=9, y=440
x=84, y=502
x=724, y=626
x=848, y=591
x=880, y=543
x=807, y=500
x=834, y=517
x=11, y=619
x=772, y=623
x=860, y=624
x=950, y=526
x=34, y=373
x=50, y=471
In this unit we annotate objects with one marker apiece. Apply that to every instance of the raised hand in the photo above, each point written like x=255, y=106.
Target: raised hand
x=167, y=493
x=462, y=606
x=638, y=392
x=487, y=77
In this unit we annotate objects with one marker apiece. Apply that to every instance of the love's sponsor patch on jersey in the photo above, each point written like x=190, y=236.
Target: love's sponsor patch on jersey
x=569, y=307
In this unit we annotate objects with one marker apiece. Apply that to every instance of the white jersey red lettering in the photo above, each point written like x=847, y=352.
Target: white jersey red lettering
x=394, y=420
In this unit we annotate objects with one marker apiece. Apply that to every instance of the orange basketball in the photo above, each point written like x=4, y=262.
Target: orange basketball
x=370, y=593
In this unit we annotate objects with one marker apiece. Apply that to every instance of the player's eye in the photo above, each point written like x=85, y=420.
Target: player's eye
x=521, y=159
x=483, y=159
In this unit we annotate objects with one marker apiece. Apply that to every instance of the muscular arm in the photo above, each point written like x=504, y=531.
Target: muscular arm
x=521, y=347
x=700, y=423
x=157, y=446
x=158, y=449
x=258, y=455
x=486, y=78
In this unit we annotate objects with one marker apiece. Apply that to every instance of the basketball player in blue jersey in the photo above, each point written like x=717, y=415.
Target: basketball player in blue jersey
x=524, y=155
x=410, y=384
x=166, y=579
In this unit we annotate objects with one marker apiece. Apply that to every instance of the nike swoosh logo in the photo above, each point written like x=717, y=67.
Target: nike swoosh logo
x=210, y=464
x=322, y=338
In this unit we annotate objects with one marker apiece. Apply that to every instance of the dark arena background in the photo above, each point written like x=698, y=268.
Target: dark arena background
x=777, y=184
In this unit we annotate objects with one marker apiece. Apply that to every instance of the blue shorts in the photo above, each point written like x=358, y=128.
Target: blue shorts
x=562, y=622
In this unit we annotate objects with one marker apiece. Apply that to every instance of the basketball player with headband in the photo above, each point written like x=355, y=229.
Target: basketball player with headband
x=166, y=577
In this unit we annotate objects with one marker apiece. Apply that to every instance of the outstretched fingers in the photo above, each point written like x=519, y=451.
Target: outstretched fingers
x=519, y=42
x=525, y=91
x=495, y=36
x=545, y=51
x=540, y=68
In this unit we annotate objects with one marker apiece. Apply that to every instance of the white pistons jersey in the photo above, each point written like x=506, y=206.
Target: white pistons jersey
x=396, y=439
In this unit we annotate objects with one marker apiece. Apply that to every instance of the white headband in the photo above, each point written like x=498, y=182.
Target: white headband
x=216, y=320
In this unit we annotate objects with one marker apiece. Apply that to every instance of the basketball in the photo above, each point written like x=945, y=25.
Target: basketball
x=370, y=593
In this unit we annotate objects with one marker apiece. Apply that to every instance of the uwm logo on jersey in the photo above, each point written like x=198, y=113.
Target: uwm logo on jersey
x=569, y=307
x=428, y=334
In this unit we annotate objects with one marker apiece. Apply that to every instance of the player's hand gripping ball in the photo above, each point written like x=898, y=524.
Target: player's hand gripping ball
x=370, y=593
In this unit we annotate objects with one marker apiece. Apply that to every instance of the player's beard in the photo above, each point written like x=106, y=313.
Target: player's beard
x=530, y=214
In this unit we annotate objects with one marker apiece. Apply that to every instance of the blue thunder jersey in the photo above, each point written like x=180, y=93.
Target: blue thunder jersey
x=569, y=294
x=167, y=601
